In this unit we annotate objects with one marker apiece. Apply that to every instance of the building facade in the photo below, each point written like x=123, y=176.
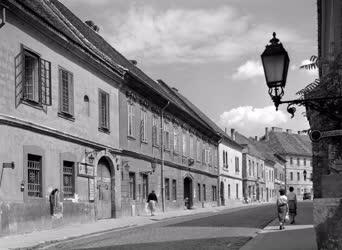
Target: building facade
x=296, y=149
x=230, y=171
x=59, y=123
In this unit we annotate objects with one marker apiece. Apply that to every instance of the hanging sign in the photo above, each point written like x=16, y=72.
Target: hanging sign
x=85, y=170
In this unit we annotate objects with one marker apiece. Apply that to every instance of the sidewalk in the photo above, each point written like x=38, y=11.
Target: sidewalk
x=300, y=236
x=40, y=238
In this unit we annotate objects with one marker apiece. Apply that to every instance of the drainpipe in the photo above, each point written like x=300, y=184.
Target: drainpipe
x=162, y=155
x=219, y=170
x=3, y=17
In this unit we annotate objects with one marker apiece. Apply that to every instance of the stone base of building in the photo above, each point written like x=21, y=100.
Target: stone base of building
x=24, y=217
x=327, y=215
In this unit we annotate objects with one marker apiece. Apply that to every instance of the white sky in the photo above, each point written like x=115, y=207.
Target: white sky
x=210, y=51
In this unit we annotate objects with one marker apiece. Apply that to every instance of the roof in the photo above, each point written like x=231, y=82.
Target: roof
x=250, y=144
x=268, y=152
x=59, y=18
x=290, y=144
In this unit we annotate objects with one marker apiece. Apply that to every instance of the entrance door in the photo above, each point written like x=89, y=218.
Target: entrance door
x=267, y=195
x=222, y=193
x=104, y=199
x=188, y=192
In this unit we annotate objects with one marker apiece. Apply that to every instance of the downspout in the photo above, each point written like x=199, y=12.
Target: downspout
x=3, y=17
x=162, y=155
x=219, y=171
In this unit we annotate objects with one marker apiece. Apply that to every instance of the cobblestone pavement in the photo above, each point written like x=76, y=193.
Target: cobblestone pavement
x=224, y=230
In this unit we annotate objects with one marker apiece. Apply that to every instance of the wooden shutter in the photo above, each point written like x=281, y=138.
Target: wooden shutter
x=71, y=93
x=45, y=82
x=19, y=78
x=107, y=111
x=142, y=127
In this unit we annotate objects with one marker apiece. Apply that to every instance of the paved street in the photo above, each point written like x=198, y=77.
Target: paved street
x=224, y=230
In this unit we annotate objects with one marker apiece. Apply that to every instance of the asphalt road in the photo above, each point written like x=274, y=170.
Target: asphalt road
x=222, y=230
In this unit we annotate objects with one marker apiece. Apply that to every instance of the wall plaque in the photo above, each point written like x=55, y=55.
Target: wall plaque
x=85, y=170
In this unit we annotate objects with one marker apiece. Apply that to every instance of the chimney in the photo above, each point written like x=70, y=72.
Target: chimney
x=92, y=25
x=266, y=133
x=256, y=138
x=232, y=133
x=134, y=62
x=276, y=129
x=289, y=131
x=299, y=132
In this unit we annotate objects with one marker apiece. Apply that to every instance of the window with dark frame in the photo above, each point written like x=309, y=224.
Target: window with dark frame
x=291, y=176
x=167, y=188
x=104, y=111
x=298, y=176
x=199, y=191
x=174, y=189
x=214, y=197
x=237, y=167
x=166, y=136
x=66, y=93
x=237, y=191
x=34, y=175
x=298, y=161
x=228, y=191
x=68, y=179
x=132, y=191
x=130, y=123
x=144, y=186
x=32, y=78
x=143, y=126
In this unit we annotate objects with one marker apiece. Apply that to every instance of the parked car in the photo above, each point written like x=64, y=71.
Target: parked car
x=307, y=196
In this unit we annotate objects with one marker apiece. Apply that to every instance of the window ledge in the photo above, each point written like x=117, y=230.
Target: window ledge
x=104, y=130
x=32, y=104
x=131, y=137
x=156, y=145
x=66, y=116
x=144, y=142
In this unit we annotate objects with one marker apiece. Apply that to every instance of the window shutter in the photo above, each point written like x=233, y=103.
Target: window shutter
x=45, y=82
x=142, y=128
x=107, y=112
x=203, y=155
x=19, y=78
x=100, y=110
x=71, y=93
x=60, y=90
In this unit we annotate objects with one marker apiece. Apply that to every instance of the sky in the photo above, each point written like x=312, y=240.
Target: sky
x=210, y=51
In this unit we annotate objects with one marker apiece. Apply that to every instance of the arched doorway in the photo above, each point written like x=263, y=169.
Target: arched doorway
x=104, y=187
x=222, y=193
x=188, y=191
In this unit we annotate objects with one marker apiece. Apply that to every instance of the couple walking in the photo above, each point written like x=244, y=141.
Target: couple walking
x=287, y=207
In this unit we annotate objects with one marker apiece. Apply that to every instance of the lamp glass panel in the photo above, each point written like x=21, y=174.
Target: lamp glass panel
x=274, y=67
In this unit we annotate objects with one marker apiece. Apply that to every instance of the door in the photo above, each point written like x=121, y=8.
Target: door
x=188, y=192
x=104, y=199
x=222, y=193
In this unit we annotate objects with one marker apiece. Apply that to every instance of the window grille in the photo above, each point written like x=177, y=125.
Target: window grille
x=68, y=179
x=34, y=175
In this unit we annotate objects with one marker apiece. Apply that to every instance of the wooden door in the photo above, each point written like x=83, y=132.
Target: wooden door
x=104, y=200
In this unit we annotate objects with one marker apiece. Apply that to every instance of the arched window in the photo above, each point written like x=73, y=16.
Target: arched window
x=86, y=105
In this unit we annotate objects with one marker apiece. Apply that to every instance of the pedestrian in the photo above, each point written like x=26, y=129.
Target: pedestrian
x=152, y=200
x=282, y=208
x=292, y=202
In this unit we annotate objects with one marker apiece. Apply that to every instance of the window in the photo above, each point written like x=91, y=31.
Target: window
x=249, y=191
x=175, y=141
x=32, y=78
x=199, y=191
x=214, y=195
x=249, y=168
x=103, y=111
x=304, y=162
x=298, y=176
x=228, y=191
x=143, y=126
x=155, y=136
x=207, y=155
x=225, y=159
x=130, y=107
x=144, y=186
x=132, y=185
x=298, y=161
x=174, y=189
x=237, y=167
x=166, y=136
x=291, y=160
x=198, y=150
x=68, y=179
x=298, y=191
x=34, y=175
x=192, y=153
x=184, y=143
x=204, y=192
x=291, y=176
x=86, y=105
x=66, y=93
x=237, y=191
x=167, y=188
x=311, y=177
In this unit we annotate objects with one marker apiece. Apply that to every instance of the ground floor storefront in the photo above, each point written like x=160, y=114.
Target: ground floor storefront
x=55, y=180
x=184, y=188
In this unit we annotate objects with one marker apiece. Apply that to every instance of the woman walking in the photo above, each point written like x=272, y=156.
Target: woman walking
x=292, y=201
x=152, y=200
x=282, y=208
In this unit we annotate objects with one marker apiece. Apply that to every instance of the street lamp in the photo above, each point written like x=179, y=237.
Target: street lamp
x=275, y=61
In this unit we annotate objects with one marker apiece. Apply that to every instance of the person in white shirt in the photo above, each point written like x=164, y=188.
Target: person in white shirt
x=292, y=202
x=282, y=208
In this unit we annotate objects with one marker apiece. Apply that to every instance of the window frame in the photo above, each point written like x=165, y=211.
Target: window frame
x=174, y=189
x=130, y=119
x=68, y=114
x=167, y=188
x=132, y=185
x=155, y=134
x=72, y=178
x=143, y=126
x=40, y=192
x=104, y=127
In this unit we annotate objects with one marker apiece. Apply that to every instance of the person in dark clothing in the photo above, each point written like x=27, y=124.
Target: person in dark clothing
x=152, y=200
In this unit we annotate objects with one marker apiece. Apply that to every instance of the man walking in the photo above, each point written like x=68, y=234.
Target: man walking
x=151, y=200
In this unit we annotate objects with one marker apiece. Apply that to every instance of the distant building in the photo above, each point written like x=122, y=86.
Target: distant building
x=297, y=150
x=230, y=171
